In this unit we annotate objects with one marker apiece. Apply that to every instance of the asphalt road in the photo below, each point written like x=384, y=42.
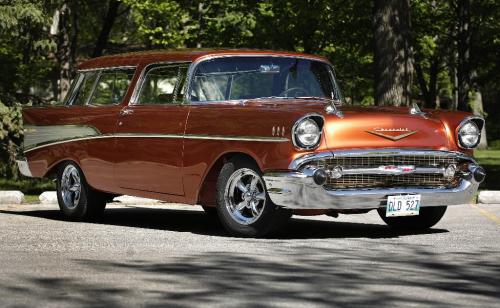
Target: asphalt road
x=139, y=256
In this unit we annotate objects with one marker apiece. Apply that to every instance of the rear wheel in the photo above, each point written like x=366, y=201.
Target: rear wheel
x=243, y=205
x=427, y=218
x=77, y=200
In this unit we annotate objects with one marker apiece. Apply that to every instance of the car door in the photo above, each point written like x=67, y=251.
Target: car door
x=150, y=130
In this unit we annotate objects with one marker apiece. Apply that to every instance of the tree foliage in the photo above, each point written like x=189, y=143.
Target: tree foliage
x=41, y=41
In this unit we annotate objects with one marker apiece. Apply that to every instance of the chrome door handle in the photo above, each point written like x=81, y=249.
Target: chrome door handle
x=125, y=112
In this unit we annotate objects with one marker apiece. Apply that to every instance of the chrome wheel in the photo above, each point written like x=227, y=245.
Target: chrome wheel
x=245, y=196
x=71, y=186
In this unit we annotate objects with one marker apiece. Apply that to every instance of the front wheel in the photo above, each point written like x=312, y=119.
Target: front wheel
x=77, y=200
x=427, y=218
x=243, y=206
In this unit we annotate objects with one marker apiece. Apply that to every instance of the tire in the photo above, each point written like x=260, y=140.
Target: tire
x=427, y=218
x=77, y=200
x=210, y=210
x=243, y=205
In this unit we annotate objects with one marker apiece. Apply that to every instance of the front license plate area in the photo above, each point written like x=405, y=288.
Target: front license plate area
x=404, y=205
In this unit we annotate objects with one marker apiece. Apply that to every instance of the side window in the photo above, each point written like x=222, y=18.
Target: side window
x=81, y=89
x=111, y=87
x=163, y=85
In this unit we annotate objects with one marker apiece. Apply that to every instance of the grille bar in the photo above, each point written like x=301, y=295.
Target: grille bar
x=426, y=177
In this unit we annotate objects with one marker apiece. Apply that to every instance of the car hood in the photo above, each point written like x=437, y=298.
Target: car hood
x=385, y=127
x=376, y=127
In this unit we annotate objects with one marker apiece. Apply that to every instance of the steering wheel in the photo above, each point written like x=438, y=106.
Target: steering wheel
x=285, y=93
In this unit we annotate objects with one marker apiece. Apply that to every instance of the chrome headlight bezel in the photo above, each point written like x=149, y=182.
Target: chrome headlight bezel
x=478, y=123
x=298, y=142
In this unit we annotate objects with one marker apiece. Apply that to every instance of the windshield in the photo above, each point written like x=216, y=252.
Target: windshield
x=236, y=78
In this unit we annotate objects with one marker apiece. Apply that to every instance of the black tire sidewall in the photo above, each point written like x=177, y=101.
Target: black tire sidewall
x=427, y=218
x=91, y=204
x=80, y=210
x=271, y=218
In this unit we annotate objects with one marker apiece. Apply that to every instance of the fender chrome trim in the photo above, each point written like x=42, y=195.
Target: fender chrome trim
x=37, y=138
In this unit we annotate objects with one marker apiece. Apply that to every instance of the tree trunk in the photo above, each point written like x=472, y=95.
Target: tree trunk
x=477, y=109
x=463, y=61
x=107, y=25
x=64, y=53
x=393, y=56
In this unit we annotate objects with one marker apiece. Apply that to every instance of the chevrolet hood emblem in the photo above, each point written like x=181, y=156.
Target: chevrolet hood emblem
x=393, y=134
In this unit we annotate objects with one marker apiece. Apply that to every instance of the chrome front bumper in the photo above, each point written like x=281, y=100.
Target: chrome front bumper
x=297, y=190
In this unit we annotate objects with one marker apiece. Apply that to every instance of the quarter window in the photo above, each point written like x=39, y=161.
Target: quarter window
x=163, y=85
x=111, y=87
x=81, y=88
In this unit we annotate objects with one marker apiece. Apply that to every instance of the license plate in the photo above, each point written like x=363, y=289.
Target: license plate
x=406, y=205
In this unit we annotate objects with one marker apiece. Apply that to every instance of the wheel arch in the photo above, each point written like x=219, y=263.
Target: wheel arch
x=206, y=194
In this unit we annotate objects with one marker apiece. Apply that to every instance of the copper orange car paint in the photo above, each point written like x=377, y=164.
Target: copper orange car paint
x=174, y=152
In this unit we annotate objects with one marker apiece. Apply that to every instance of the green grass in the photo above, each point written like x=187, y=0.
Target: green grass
x=31, y=199
x=28, y=186
x=489, y=160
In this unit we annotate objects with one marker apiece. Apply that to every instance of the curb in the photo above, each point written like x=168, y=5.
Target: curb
x=11, y=197
x=489, y=197
x=50, y=197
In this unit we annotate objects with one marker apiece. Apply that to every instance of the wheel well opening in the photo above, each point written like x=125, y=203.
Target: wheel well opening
x=207, y=197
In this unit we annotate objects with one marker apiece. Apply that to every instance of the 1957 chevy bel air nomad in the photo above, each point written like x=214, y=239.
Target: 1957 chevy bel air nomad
x=252, y=136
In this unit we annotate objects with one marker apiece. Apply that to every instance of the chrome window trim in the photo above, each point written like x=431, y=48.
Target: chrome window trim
x=300, y=161
x=309, y=115
x=69, y=102
x=99, y=74
x=194, y=65
x=140, y=81
x=124, y=67
x=462, y=123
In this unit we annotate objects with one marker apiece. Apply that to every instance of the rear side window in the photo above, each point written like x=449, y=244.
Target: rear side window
x=111, y=87
x=163, y=85
x=81, y=88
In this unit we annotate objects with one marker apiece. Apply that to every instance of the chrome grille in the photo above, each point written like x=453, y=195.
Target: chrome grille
x=390, y=180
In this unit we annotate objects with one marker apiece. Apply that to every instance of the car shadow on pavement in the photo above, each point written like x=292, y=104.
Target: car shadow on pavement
x=198, y=222
x=317, y=276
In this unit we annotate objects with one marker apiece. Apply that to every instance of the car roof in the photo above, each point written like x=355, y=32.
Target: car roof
x=184, y=55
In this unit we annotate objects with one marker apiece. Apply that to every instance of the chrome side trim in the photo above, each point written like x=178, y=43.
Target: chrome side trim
x=298, y=162
x=23, y=166
x=146, y=135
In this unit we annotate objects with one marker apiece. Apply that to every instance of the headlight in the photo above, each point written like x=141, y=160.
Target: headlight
x=469, y=135
x=307, y=132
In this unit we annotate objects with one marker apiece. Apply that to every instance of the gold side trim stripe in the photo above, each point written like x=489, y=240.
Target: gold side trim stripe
x=167, y=136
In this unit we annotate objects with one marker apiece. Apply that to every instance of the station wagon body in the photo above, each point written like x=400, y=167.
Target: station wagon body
x=253, y=136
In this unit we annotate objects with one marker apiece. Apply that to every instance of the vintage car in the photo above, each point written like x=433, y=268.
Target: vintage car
x=252, y=136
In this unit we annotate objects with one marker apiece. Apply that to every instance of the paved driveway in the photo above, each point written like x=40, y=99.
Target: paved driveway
x=180, y=257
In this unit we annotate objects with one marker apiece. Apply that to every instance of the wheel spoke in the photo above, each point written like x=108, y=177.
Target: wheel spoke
x=240, y=206
x=253, y=207
x=253, y=184
x=261, y=196
x=241, y=186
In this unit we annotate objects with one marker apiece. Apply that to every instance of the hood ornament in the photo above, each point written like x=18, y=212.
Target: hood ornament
x=415, y=110
x=331, y=108
x=393, y=134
